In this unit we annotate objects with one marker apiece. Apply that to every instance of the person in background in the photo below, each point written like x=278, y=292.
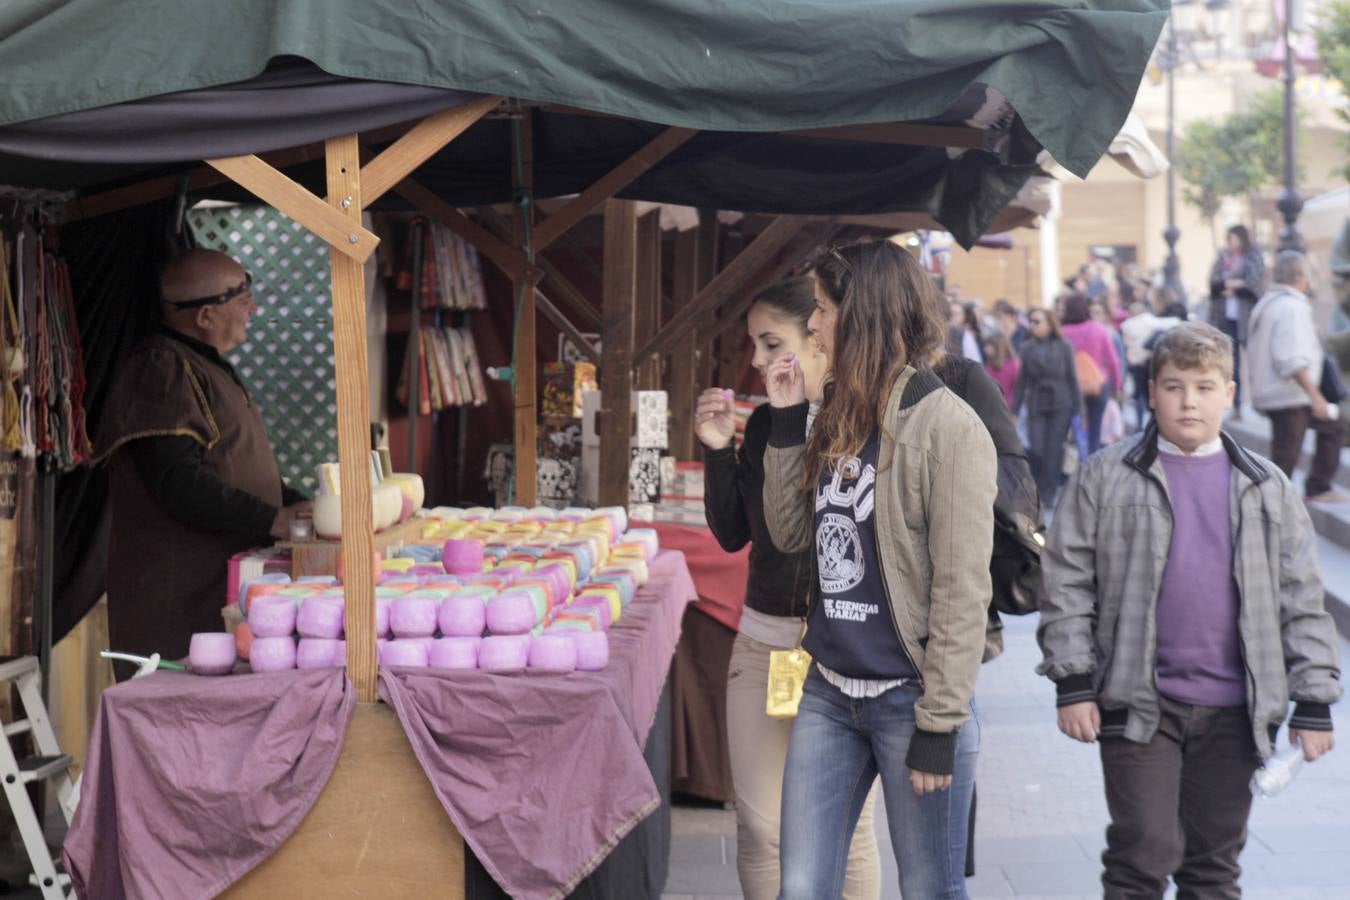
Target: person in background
x=776, y=592
x=1181, y=666
x=1047, y=387
x=1010, y=323
x=894, y=488
x=1137, y=331
x=1092, y=341
x=963, y=338
x=1001, y=363
x=1101, y=313
x=1236, y=281
x=1286, y=358
x=192, y=478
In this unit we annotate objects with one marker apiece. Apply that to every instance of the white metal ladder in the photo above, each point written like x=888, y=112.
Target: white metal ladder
x=17, y=774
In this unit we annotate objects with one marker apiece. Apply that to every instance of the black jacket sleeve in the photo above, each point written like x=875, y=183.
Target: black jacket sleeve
x=173, y=473
x=983, y=395
x=722, y=504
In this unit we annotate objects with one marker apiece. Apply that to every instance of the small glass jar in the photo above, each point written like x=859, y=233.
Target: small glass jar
x=302, y=529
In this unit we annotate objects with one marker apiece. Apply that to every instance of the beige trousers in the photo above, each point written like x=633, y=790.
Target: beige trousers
x=759, y=748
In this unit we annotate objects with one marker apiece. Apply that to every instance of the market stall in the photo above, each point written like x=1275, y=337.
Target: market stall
x=948, y=124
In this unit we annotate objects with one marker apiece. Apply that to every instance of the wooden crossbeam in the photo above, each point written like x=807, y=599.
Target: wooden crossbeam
x=730, y=280
x=619, y=178
x=353, y=402
x=553, y=280
x=555, y=315
x=428, y=136
x=339, y=230
x=729, y=316
x=507, y=258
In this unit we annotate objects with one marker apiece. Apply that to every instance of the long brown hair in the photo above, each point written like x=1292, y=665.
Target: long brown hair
x=890, y=315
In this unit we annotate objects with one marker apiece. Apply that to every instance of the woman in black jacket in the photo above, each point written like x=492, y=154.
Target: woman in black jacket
x=775, y=600
x=1048, y=386
x=1236, y=281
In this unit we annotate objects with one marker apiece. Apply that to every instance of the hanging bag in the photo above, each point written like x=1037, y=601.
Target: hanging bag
x=1091, y=381
x=787, y=673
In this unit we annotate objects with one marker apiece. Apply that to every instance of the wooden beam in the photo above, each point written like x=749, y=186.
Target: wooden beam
x=341, y=231
x=506, y=257
x=647, y=311
x=425, y=139
x=684, y=384
x=526, y=359
x=553, y=279
x=572, y=333
x=353, y=402
x=619, y=178
x=729, y=316
x=616, y=358
x=728, y=281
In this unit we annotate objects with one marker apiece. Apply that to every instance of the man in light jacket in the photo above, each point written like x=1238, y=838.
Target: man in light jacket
x=1286, y=371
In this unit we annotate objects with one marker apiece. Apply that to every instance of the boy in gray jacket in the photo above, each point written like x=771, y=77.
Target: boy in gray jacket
x=1183, y=612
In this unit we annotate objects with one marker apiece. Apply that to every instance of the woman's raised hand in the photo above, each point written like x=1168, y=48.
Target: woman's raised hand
x=715, y=418
x=785, y=382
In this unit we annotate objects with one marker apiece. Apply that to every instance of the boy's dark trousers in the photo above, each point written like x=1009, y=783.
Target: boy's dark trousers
x=1179, y=804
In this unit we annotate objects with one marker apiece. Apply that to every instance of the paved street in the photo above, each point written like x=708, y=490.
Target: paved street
x=1042, y=815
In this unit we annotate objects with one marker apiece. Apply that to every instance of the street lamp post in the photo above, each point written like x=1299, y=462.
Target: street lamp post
x=1171, y=234
x=1289, y=203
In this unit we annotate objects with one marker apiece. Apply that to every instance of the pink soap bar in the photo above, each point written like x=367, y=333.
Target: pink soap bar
x=272, y=615
x=553, y=653
x=454, y=653
x=383, y=608
x=592, y=649
x=273, y=654
x=404, y=653
x=559, y=577
x=599, y=604
x=319, y=653
x=462, y=557
x=504, y=653
x=462, y=615
x=413, y=617
x=512, y=612
x=320, y=617
x=212, y=653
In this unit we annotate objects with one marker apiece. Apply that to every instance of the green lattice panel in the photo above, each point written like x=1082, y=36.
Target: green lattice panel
x=287, y=362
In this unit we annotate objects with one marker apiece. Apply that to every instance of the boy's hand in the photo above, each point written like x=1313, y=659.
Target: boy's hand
x=1081, y=721
x=1315, y=743
x=928, y=783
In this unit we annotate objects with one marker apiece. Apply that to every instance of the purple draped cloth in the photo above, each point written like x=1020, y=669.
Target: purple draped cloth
x=191, y=782
x=544, y=774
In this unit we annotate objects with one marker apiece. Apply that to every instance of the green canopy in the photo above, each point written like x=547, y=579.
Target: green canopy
x=1054, y=74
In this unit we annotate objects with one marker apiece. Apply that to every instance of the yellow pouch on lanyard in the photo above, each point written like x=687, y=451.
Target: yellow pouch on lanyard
x=787, y=674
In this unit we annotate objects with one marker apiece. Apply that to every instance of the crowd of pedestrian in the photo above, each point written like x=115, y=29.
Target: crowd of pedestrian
x=891, y=492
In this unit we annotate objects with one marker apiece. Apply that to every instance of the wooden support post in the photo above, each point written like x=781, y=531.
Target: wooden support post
x=353, y=401
x=647, y=313
x=526, y=357
x=616, y=363
x=709, y=264
x=684, y=384
x=727, y=282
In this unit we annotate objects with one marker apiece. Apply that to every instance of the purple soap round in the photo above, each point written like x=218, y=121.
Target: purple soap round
x=462, y=557
x=272, y=654
x=413, y=617
x=504, y=653
x=592, y=649
x=383, y=606
x=454, y=653
x=404, y=653
x=462, y=615
x=599, y=604
x=212, y=653
x=272, y=615
x=552, y=653
x=320, y=617
x=557, y=576
x=511, y=612
x=319, y=653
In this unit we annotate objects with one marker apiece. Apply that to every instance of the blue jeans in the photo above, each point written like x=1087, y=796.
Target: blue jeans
x=839, y=745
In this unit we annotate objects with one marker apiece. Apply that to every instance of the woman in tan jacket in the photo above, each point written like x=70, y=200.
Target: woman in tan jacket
x=895, y=492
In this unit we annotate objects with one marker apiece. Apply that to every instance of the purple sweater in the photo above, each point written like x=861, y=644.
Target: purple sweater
x=1199, y=650
x=1092, y=338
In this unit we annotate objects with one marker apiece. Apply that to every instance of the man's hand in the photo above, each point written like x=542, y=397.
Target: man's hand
x=1321, y=410
x=281, y=524
x=928, y=783
x=1081, y=721
x=1315, y=743
x=715, y=418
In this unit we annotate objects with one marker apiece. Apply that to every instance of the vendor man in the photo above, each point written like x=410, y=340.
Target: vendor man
x=191, y=471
